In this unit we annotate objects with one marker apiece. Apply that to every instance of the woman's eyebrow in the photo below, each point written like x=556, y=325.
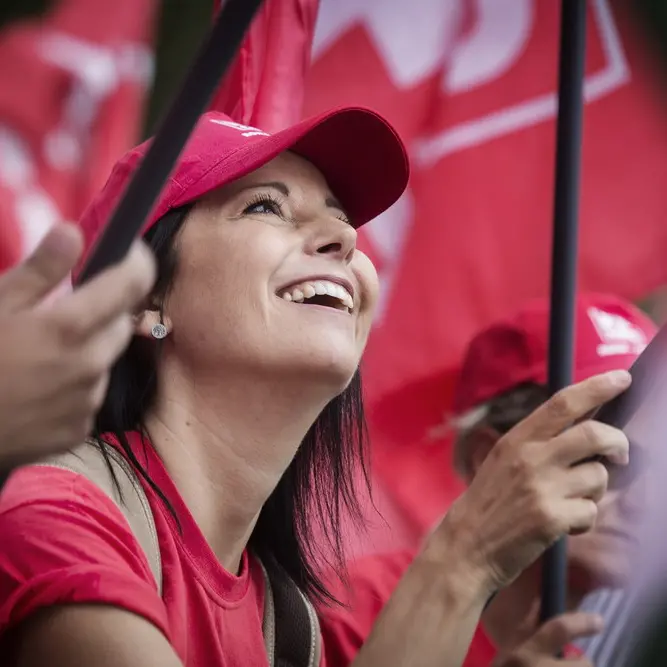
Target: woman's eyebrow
x=332, y=202
x=276, y=185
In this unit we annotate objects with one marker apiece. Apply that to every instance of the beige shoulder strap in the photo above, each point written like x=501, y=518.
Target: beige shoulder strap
x=87, y=460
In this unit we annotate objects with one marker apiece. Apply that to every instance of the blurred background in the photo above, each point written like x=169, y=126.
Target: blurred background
x=471, y=87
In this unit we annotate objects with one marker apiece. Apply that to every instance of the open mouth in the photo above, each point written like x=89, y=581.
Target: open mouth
x=320, y=293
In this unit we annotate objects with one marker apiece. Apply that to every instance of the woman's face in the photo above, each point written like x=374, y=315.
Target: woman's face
x=269, y=280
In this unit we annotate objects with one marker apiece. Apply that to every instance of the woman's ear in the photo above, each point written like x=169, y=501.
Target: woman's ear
x=152, y=324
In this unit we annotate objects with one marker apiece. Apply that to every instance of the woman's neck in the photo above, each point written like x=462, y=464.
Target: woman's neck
x=226, y=446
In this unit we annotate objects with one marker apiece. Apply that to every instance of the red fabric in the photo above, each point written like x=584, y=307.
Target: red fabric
x=372, y=581
x=609, y=334
x=220, y=151
x=265, y=86
x=64, y=541
x=470, y=87
x=70, y=104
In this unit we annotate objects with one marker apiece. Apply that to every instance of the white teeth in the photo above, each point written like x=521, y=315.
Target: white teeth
x=307, y=290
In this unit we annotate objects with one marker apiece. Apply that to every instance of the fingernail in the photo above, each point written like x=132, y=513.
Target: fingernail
x=619, y=378
x=598, y=622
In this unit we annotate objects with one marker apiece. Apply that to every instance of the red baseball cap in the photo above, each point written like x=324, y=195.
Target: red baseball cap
x=359, y=153
x=609, y=334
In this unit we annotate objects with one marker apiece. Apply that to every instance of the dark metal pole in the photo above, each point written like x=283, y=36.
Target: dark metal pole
x=564, y=252
x=211, y=62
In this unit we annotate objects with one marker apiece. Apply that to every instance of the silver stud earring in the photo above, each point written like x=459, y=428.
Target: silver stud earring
x=159, y=331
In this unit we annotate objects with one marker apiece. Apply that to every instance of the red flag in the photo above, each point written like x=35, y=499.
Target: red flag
x=265, y=87
x=471, y=86
x=71, y=96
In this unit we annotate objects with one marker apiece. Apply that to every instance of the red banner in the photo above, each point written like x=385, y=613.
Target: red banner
x=471, y=85
x=265, y=87
x=72, y=89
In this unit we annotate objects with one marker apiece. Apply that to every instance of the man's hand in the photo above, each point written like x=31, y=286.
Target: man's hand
x=542, y=480
x=550, y=640
x=55, y=360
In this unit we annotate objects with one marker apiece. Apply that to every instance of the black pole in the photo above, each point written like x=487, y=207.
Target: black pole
x=211, y=62
x=564, y=252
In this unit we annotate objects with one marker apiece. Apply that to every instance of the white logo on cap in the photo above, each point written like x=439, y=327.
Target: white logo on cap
x=245, y=130
x=617, y=335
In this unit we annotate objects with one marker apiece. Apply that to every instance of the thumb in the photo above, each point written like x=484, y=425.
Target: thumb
x=30, y=282
x=562, y=630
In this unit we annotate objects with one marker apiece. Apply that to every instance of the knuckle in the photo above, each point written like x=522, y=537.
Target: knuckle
x=67, y=329
x=590, y=433
x=561, y=405
x=548, y=518
x=586, y=518
x=599, y=476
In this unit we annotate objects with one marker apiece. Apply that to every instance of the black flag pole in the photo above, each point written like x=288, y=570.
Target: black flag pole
x=212, y=61
x=210, y=65
x=564, y=251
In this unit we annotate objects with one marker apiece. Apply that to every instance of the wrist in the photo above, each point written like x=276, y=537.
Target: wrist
x=450, y=550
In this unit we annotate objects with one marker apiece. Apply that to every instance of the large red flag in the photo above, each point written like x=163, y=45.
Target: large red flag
x=265, y=86
x=72, y=88
x=471, y=85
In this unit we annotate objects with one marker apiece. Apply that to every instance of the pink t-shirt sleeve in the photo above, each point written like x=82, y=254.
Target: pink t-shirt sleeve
x=63, y=541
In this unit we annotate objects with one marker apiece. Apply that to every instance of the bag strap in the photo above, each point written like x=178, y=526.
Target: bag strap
x=298, y=641
x=290, y=625
x=88, y=460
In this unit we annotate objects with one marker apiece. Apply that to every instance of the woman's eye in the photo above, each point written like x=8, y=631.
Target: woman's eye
x=263, y=207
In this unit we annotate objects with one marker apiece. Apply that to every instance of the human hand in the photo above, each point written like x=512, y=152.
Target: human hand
x=55, y=359
x=539, y=482
x=554, y=637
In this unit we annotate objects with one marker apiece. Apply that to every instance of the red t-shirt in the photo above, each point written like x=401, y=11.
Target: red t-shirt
x=64, y=541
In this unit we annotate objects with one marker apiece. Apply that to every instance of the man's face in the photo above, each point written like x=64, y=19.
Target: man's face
x=604, y=556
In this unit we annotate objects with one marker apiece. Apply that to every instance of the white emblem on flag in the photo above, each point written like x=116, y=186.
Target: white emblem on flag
x=617, y=335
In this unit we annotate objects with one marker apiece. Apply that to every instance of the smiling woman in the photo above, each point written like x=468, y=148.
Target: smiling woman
x=237, y=412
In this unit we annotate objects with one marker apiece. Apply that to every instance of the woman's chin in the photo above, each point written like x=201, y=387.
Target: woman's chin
x=330, y=374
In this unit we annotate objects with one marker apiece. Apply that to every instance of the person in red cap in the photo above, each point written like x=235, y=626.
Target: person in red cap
x=503, y=379
x=236, y=415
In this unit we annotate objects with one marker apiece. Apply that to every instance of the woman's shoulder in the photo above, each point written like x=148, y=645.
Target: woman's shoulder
x=64, y=540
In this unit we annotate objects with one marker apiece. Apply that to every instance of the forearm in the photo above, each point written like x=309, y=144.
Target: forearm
x=431, y=617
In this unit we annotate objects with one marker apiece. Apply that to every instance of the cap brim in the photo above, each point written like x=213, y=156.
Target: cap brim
x=538, y=375
x=361, y=156
x=588, y=370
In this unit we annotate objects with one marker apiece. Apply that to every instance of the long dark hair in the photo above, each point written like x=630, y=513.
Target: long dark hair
x=319, y=484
